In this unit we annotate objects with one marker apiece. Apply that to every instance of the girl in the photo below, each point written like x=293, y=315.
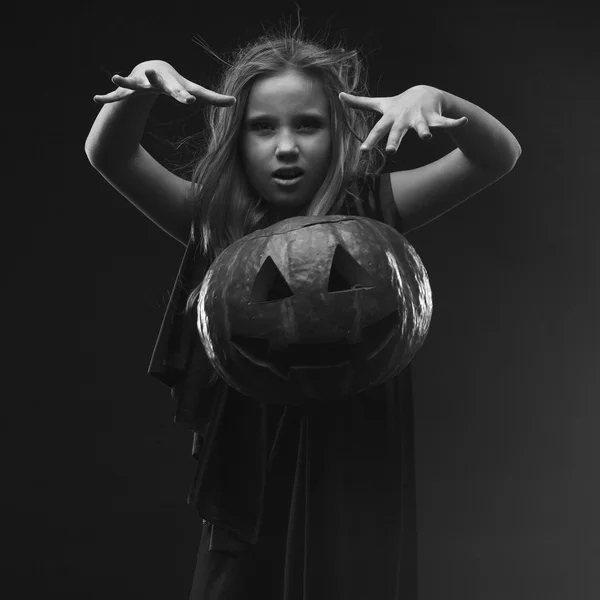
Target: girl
x=295, y=504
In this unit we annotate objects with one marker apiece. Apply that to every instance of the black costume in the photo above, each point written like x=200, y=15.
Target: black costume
x=296, y=505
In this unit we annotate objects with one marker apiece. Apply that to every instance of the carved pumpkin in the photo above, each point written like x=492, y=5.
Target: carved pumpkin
x=314, y=308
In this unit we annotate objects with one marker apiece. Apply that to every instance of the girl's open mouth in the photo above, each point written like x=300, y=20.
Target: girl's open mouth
x=288, y=182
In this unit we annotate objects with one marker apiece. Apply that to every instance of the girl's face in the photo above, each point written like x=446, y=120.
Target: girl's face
x=286, y=139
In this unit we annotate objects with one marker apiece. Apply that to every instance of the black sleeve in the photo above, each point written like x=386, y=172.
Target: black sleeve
x=179, y=360
x=384, y=199
x=376, y=201
x=172, y=347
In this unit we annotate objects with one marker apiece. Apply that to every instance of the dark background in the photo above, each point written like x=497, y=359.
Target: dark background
x=506, y=387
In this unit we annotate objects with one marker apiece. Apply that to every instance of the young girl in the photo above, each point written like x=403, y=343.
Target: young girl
x=295, y=504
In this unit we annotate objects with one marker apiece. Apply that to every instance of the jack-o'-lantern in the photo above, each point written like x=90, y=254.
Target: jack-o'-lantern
x=314, y=308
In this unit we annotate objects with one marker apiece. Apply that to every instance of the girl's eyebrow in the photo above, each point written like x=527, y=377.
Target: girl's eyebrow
x=260, y=116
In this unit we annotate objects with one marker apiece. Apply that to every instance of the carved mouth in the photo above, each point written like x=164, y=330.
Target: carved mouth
x=374, y=338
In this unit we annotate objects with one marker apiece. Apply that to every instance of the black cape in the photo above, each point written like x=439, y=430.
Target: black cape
x=295, y=505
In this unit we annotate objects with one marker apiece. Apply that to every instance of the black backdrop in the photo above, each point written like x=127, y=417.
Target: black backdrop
x=95, y=473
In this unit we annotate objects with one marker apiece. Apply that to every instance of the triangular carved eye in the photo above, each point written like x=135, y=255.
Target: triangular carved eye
x=270, y=284
x=346, y=273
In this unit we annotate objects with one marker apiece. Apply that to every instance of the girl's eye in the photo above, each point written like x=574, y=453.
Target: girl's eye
x=310, y=124
x=260, y=126
x=265, y=126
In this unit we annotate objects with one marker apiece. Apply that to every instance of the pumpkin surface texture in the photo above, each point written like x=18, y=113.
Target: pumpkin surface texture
x=314, y=308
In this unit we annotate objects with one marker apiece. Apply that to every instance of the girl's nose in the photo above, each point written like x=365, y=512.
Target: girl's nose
x=286, y=145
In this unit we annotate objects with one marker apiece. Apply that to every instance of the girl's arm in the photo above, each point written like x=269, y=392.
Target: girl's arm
x=483, y=139
x=114, y=150
x=486, y=150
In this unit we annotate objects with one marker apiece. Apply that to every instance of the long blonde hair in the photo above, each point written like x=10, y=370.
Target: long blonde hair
x=227, y=208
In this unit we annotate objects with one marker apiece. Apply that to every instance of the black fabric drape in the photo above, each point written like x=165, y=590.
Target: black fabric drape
x=296, y=505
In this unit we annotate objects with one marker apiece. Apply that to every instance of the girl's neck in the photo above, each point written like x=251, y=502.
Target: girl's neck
x=280, y=213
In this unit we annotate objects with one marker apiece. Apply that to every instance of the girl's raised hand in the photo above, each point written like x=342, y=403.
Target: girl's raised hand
x=159, y=77
x=418, y=108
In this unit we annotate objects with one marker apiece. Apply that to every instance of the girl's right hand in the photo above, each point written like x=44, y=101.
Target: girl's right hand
x=159, y=77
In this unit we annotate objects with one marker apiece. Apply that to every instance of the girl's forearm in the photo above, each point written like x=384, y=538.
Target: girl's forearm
x=117, y=130
x=484, y=140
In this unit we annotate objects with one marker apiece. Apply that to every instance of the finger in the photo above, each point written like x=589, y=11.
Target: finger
x=207, y=95
x=381, y=128
x=169, y=86
x=154, y=78
x=422, y=129
x=113, y=96
x=439, y=121
x=213, y=97
x=131, y=83
x=397, y=133
x=360, y=102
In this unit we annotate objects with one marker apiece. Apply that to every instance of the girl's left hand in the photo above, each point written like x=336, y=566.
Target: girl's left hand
x=418, y=108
